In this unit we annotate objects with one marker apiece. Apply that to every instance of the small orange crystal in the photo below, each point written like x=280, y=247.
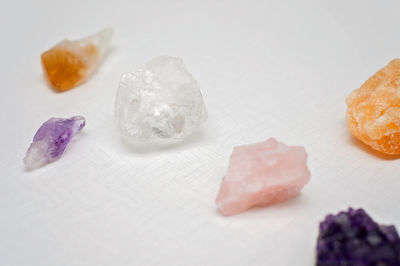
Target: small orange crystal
x=70, y=63
x=373, y=110
x=63, y=68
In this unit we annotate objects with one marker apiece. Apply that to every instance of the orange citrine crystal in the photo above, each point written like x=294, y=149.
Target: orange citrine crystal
x=373, y=110
x=70, y=63
x=63, y=68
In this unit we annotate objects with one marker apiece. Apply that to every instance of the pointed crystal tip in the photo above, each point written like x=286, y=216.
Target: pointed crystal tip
x=71, y=63
x=51, y=139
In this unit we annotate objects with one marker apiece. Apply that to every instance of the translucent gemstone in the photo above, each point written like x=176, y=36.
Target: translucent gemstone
x=70, y=63
x=51, y=139
x=373, y=110
x=158, y=101
x=262, y=174
x=353, y=238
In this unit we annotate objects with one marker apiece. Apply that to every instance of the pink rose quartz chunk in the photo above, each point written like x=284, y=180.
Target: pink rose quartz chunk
x=262, y=174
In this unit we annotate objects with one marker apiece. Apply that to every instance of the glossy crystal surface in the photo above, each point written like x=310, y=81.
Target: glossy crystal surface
x=51, y=139
x=70, y=63
x=161, y=100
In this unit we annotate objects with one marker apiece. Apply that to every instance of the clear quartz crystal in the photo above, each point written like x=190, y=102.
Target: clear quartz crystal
x=158, y=101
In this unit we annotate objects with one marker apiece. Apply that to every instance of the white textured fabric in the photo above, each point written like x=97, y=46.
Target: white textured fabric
x=265, y=68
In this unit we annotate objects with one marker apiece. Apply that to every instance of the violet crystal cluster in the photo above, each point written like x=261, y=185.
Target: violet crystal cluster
x=352, y=238
x=51, y=139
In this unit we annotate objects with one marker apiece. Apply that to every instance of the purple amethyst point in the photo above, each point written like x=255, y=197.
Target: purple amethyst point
x=352, y=238
x=51, y=139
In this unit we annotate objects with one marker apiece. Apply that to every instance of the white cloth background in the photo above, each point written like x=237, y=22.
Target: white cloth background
x=266, y=68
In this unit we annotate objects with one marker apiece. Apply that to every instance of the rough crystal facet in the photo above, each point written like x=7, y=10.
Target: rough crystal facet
x=51, y=139
x=70, y=63
x=158, y=101
x=262, y=174
x=373, y=110
x=353, y=238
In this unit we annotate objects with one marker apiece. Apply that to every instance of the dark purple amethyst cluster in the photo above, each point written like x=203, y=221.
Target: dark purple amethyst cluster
x=352, y=238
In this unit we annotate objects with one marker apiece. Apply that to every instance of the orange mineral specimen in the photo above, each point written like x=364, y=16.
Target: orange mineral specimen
x=70, y=63
x=373, y=110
